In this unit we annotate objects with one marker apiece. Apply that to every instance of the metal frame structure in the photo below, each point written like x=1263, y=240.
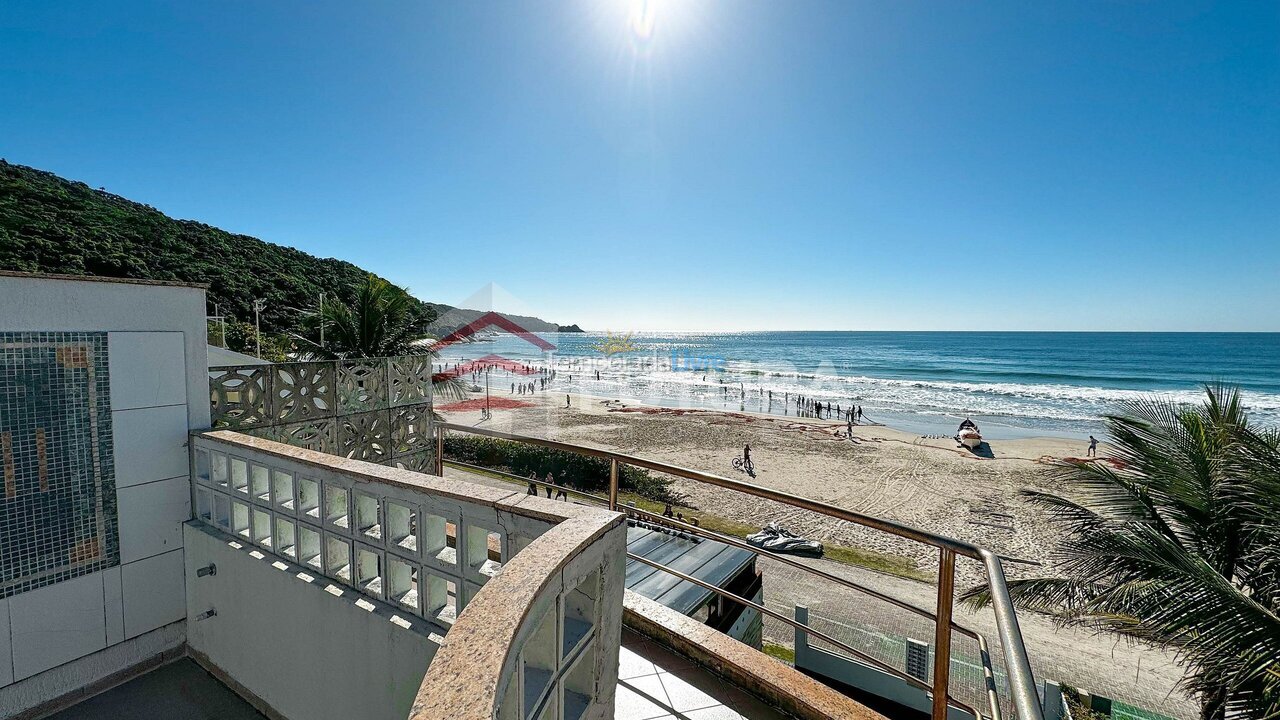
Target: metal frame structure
x=1025, y=699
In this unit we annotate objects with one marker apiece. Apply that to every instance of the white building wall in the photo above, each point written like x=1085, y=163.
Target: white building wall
x=59, y=638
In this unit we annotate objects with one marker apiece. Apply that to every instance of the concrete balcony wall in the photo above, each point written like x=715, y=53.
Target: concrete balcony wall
x=303, y=646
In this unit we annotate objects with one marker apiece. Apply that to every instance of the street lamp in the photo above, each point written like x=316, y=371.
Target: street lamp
x=258, y=305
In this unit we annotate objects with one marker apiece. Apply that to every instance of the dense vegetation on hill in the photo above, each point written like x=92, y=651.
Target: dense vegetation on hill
x=53, y=225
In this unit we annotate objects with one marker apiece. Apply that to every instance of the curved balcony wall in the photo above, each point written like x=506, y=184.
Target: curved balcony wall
x=519, y=598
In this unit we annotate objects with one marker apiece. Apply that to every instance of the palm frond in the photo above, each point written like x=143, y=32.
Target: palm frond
x=1176, y=543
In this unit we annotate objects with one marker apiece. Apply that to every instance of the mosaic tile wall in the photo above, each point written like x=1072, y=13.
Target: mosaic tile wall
x=57, y=501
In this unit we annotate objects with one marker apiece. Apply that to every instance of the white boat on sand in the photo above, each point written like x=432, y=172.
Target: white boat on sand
x=968, y=435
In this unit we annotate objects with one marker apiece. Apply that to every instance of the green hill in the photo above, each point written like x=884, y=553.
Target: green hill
x=50, y=224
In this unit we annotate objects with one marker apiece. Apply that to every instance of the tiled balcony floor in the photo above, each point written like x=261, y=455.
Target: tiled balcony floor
x=656, y=684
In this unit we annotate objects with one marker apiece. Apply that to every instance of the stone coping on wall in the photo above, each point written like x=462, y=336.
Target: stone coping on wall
x=463, y=680
x=777, y=683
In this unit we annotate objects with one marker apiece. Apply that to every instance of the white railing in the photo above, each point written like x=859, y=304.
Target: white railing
x=540, y=643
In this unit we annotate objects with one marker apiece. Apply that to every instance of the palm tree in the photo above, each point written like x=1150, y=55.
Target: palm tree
x=1176, y=541
x=380, y=322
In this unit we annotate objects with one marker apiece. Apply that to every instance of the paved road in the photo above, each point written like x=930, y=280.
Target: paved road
x=1135, y=674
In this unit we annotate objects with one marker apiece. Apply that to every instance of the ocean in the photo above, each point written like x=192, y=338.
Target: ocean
x=1013, y=384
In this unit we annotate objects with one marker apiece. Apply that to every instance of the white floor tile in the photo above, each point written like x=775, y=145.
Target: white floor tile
x=685, y=696
x=631, y=706
x=631, y=665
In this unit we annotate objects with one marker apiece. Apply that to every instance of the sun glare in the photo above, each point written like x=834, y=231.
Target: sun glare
x=643, y=20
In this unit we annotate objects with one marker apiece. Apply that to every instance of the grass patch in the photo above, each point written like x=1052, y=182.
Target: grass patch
x=887, y=563
x=780, y=652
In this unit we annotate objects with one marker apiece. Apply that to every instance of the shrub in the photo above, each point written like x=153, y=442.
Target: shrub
x=580, y=472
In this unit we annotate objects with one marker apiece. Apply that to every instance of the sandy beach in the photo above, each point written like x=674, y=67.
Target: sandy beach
x=929, y=483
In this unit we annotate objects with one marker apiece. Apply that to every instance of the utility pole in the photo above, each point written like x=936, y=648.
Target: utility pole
x=221, y=322
x=321, y=319
x=258, y=305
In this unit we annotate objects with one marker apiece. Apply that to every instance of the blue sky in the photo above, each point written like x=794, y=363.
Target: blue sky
x=730, y=165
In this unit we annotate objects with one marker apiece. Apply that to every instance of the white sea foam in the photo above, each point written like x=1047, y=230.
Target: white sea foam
x=1032, y=401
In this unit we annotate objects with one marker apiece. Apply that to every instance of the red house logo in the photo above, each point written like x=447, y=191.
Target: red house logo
x=487, y=320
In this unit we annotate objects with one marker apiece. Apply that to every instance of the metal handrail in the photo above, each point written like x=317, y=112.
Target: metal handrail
x=692, y=529
x=734, y=542
x=869, y=659
x=1018, y=666
x=664, y=521
x=984, y=652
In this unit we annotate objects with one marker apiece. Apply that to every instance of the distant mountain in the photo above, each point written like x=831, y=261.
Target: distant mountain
x=53, y=225
x=451, y=318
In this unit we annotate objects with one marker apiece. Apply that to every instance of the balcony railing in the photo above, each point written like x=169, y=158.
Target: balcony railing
x=537, y=640
x=1025, y=699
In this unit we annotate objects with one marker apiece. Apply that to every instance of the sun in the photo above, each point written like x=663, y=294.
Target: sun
x=643, y=20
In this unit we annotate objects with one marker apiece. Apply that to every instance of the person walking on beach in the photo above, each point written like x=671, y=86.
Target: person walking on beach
x=849, y=428
x=1093, y=447
x=566, y=399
